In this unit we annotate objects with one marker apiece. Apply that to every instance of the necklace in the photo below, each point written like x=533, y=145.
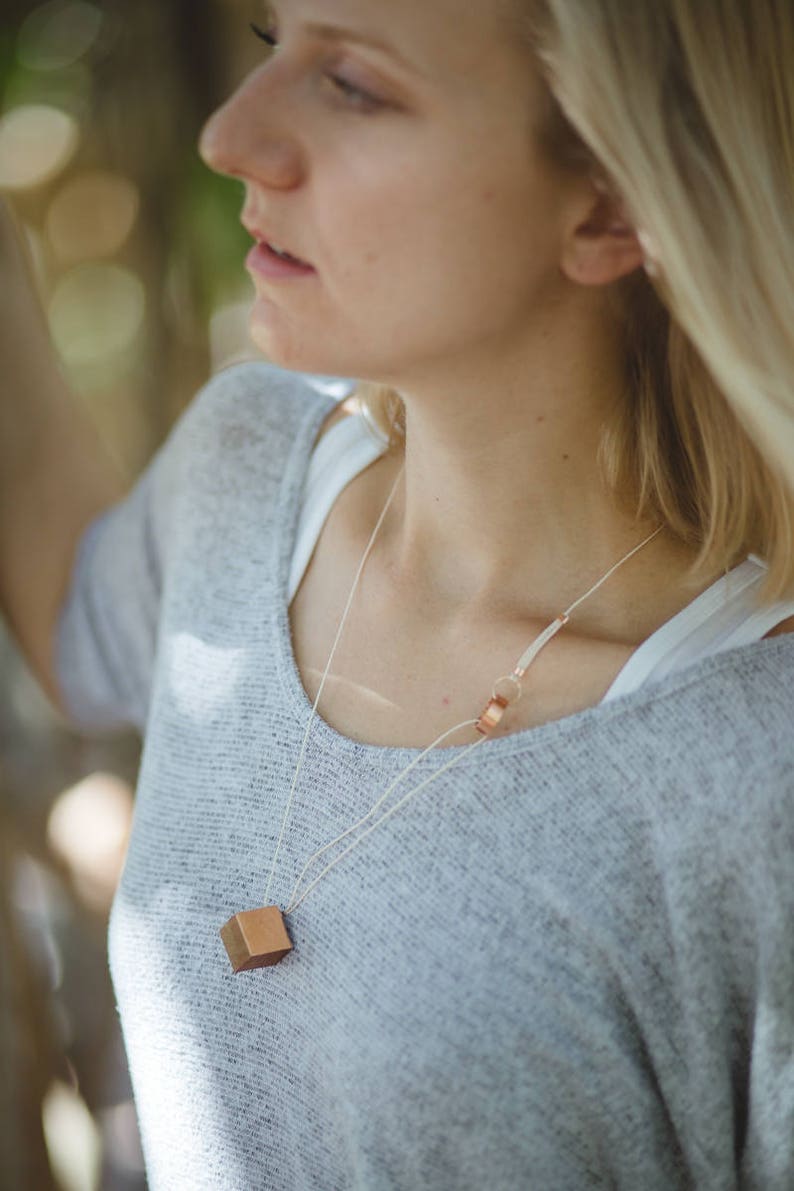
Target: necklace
x=258, y=938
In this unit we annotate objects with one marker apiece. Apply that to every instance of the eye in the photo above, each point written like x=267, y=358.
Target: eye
x=355, y=97
x=269, y=35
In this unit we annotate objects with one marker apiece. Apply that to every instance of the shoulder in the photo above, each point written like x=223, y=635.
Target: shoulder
x=710, y=752
x=732, y=684
x=247, y=418
x=708, y=739
x=748, y=690
x=256, y=396
x=235, y=440
x=721, y=731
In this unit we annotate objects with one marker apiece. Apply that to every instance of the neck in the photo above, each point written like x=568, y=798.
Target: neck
x=502, y=485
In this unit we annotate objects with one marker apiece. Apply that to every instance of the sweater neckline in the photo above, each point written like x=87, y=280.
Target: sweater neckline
x=333, y=741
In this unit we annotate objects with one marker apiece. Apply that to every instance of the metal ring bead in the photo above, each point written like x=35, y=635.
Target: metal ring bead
x=510, y=695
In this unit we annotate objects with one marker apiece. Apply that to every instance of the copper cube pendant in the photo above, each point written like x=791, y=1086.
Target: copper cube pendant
x=256, y=938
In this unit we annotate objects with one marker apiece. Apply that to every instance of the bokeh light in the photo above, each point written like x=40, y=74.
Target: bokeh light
x=92, y=216
x=36, y=142
x=87, y=830
x=96, y=312
x=58, y=34
x=72, y=1137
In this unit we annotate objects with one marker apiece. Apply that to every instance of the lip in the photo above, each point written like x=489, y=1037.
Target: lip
x=264, y=260
x=267, y=263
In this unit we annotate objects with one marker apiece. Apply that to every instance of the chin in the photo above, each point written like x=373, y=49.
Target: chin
x=279, y=340
x=297, y=350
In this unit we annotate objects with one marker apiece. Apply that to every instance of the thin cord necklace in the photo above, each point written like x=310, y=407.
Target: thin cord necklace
x=258, y=938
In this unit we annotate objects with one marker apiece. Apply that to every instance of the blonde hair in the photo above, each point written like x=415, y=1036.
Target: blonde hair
x=686, y=108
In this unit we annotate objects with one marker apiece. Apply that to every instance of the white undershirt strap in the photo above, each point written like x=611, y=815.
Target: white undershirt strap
x=725, y=616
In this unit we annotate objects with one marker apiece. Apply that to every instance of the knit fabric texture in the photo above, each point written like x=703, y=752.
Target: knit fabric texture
x=567, y=964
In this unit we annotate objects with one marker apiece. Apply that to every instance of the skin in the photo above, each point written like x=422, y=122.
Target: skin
x=454, y=261
x=428, y=242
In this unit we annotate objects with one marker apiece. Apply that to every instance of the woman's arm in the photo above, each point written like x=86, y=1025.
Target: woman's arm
x=55, y=473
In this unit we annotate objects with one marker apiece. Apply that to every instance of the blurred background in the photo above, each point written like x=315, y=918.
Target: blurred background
x=138, y=254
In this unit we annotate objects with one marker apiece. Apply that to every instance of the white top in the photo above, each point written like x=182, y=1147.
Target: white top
x=724, y=616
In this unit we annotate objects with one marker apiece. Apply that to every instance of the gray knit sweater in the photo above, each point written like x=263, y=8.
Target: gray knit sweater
x=568, y=964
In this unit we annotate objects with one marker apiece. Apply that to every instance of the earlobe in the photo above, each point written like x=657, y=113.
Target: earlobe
x=603, y=246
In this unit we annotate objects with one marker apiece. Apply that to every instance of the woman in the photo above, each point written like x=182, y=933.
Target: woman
x=558, y=953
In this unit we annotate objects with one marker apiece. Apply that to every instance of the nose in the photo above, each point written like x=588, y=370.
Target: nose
x=249, y=137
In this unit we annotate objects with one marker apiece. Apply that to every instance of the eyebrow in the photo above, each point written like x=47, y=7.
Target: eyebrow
x=336, y=33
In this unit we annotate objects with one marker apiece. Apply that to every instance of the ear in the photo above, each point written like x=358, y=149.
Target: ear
x=602, y=245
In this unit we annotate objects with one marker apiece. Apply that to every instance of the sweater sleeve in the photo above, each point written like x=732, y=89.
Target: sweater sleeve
x=107, y=630
x=223, y=458
x=107, y=633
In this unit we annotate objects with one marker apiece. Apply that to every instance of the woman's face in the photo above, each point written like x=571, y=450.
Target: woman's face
x=389, y=148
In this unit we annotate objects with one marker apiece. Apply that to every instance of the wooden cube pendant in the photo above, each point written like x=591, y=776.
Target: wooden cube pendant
x=256, y=938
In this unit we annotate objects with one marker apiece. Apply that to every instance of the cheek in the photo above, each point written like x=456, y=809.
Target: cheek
x=450, y=243
x=414, y=262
